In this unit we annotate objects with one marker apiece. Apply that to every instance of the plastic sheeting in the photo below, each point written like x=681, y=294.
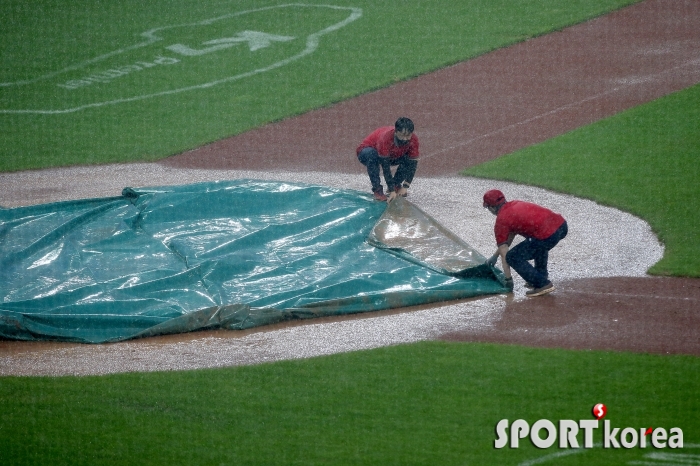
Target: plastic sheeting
x=233, y=254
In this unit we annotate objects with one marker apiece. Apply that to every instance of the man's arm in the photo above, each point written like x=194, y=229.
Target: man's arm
x=411, y=167
x=404, y=175
x=502, y=251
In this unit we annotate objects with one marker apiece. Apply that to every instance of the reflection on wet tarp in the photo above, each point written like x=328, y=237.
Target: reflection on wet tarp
x=414, y=235
x=229, y=254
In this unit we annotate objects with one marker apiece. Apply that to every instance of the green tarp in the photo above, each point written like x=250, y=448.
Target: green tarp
x=230, y=254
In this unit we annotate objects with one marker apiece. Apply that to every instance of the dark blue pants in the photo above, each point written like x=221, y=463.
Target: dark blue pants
x=370, y=158
x=537, y=250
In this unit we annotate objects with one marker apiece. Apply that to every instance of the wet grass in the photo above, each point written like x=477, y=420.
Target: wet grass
x=60, y=55
x=643, y=161
x=426, y=403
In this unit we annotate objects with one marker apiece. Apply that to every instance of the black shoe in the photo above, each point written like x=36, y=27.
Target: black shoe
x=530, y=286
x=548, y=288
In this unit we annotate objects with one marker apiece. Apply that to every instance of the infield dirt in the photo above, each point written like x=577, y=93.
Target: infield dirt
x=503, y=101
x=487, y=107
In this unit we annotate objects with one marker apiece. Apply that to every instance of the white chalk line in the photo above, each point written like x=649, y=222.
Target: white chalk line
x=559, y=454
x=629, y=295
x=648, y=78
x=312, y=42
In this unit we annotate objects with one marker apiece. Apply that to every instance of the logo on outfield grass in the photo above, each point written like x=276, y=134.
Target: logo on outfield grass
x=565, y=434
x=182, y=58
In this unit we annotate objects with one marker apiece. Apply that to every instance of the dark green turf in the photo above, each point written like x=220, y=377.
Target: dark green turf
x=426, y=403
x=48, y=45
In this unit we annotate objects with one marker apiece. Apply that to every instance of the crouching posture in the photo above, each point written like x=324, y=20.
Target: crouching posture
x=542, y=230
x=386, y=147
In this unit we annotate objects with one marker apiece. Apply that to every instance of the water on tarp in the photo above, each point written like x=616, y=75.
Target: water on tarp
x=227, y=254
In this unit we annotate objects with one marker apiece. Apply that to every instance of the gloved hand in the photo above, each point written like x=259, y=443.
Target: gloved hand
x=391, y=196
x=492, y=260
x=509, y=283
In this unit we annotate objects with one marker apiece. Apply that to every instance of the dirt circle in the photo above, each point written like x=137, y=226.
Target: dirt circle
x=465, y=114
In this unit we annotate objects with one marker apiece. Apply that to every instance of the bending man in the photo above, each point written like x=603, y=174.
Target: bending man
x=385, y=147
x=542, y=230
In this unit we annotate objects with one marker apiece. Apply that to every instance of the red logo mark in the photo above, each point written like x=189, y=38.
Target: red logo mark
x=649, y=430
x=599, y=411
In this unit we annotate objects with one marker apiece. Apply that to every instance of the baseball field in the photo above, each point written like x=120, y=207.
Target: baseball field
x=596, y=100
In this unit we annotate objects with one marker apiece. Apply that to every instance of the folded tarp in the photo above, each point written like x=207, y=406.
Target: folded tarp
x=230, y=254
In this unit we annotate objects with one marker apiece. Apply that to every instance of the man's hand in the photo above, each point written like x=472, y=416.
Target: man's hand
x=492, y=260
x=509, y=283
x=403, y=192
x=391, y=196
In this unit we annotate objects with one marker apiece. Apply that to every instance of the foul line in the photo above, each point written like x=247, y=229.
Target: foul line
x=627, y=295
x=652, y=77
x=553, y=456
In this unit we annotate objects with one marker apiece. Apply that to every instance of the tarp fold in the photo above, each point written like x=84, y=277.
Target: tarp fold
x=230, y=254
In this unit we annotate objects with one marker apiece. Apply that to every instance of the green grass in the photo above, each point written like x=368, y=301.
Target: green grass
x=644, y=161
x=427, y=403
x=390, y=42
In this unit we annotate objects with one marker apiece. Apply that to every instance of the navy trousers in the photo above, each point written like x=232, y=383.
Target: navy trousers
x=538, y=251
x=370, y=158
